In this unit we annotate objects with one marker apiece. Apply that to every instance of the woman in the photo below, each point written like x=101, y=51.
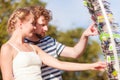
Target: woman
x=22, y=61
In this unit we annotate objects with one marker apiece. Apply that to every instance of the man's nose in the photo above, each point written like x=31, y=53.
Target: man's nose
x=34, y=27
x=45, y=28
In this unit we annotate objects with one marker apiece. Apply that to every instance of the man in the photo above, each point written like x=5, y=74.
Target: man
x=51, y=46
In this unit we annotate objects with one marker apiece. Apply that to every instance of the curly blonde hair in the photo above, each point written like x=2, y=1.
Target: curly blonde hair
x=41, y=11
x=20, y=14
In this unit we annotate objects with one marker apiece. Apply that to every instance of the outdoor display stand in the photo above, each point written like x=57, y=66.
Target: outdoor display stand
x=109, y=34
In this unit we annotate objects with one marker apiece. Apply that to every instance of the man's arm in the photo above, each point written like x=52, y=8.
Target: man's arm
x=79, y=48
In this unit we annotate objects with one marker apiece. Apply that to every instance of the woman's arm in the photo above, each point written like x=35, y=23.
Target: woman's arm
x=6, y=62
x=68, y=66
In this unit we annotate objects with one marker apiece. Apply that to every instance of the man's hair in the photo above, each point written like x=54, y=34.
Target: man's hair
x=41, y=11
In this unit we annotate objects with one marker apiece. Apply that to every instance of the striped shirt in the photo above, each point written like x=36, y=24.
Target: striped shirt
x=53, y=48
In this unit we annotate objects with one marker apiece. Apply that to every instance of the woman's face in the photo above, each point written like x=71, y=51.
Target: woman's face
x=28, y=26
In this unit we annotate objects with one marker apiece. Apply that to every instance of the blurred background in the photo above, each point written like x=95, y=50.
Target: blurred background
x=69, y=16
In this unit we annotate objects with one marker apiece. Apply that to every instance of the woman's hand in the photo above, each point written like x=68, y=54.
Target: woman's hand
x=99, y=66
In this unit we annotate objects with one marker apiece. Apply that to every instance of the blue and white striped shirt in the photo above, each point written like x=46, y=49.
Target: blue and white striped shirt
x=53, y=48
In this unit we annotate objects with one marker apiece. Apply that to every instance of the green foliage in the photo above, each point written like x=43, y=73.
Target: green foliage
x=70, y=37
x=52, y=31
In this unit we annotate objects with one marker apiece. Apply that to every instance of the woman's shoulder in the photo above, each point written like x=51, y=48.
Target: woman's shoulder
x=5, y=48
x=6, y=55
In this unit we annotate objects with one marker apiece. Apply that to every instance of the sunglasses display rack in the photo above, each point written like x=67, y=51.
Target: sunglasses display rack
x=109, y=34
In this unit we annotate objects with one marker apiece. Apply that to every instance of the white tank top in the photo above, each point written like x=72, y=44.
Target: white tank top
x=26, y=65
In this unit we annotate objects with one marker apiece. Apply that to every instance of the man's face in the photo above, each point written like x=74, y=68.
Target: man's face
x=41, y=27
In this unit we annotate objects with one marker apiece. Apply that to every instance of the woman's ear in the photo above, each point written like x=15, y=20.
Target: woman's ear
x=19, y=20
x=19, y=23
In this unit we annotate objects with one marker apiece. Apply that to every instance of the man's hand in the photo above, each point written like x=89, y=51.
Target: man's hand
x=91, y=31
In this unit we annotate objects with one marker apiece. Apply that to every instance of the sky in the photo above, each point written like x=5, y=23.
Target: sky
x=71, y=14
